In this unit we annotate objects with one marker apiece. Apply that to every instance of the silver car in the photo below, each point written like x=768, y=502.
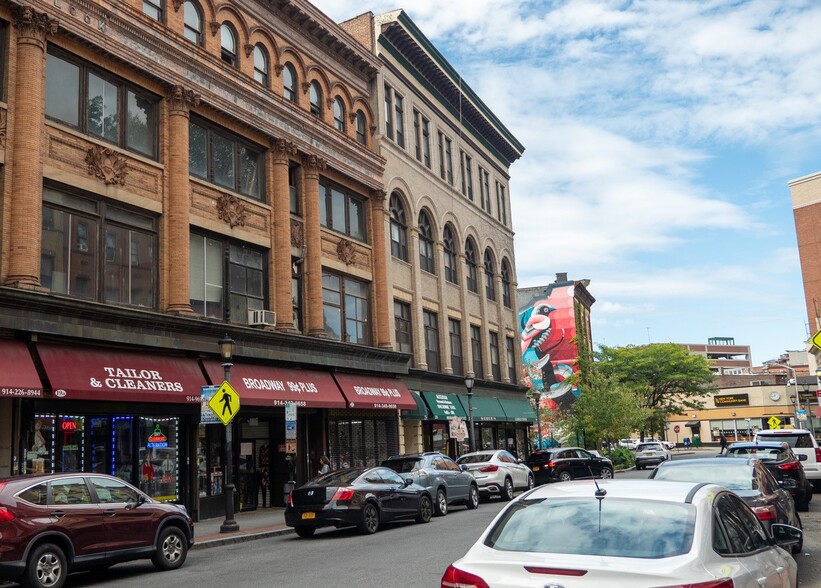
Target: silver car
x=497, y=472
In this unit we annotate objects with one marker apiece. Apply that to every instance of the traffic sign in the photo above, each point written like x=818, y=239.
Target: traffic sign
x=676, y=428
x=225, y=403
x=816, y=339
x=775, y=423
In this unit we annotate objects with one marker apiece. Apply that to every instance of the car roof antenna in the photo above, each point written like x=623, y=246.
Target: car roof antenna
x=599, y=494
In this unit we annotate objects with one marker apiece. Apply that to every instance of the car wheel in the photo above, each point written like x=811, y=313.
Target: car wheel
x=798, y=547
x=46, y=567
x=606, y=473
x=305, y=531
x=473, y=497
x=441, y=503
x=172, y=549
x=507, y=490
x=370, y=519
x=425, y=509
x=639, y=466
x=565, y=476
x=530, y=482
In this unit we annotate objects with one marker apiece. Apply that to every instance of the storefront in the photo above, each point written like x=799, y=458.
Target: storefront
x=436, y=431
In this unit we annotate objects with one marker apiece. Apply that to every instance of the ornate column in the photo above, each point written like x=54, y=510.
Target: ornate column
x=315, y=323
x=417, y=307
x=27, y=147
x=280, y=200
x=500, y=316
x=467, y=351
x=444, y=323
x=180, y=102
x=383, y=299
x=488, y=375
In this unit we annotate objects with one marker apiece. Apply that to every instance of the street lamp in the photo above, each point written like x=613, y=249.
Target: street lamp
x=469, y=379
x=229, y=525
x=795, y=384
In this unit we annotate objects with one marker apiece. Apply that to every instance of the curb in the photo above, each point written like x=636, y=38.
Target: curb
x=219, y=541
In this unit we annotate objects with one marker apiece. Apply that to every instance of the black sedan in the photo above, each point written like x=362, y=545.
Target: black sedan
x=356, y=497
x=567, y=463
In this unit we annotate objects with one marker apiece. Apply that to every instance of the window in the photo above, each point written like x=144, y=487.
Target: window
x=426, y=142
x=361, y=127
x=399, y=228
x=388, y=111
x=736, y=529
x=431, y=324
x=448, y=161
x=490, y=276
x=346, y=308
x=289, y=83
x=484, y=189
x=296, y=291
x=293, y=189
x=261, y=64
x=467, y=176
x=192, y=22
x=426, y=246
x=402, y=320
x=511, y=359
x=153, y=9
x=441, y=144
x=501, y=205
x=495, y=366
x=226, y=279
x=228, y=44
x=400, y=119
x=507, y=288
x=339, y=115
x=101, y=105
x=476, y=351
x=417, y=134
x=341, y=210
x=87, y=243
x=223, y=159
x=451, y=274
x=470, y=263
x=315, y=93
x=455, y=334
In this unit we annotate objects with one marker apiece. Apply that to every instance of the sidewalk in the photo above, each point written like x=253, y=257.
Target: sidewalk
x=253, y=524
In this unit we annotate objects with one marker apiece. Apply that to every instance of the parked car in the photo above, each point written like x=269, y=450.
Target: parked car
x=55, y=524
x=356, y=497
x=651, y=454
x=636, y=533
x=783, y=464
x=442, y=477
x=567, y=463
x=497, y=472
x=628, y=443
x=746, y=477
x=802, y=442
x=668, y=444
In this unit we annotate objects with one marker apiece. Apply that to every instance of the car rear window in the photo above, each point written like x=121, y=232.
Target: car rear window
x=648, y=446
x=738, y=477
x=762, y=453
x=403, y=466
x=539, y=458
x=624, y=527
x=478, y=458
x=799, y=440
x=339, y=478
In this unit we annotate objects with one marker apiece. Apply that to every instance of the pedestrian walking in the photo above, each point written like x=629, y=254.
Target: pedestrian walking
x=722, y=441
x=326, y=465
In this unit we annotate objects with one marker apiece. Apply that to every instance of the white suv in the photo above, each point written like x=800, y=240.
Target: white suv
x=802, y=443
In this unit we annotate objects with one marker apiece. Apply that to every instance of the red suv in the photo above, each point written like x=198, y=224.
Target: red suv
x=54, y=524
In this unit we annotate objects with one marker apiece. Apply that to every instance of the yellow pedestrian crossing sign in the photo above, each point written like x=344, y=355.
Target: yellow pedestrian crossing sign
x=775, y=423
x=225, y=403
x=816, y=339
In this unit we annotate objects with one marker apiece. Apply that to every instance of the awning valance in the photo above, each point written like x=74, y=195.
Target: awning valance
x=18, y=376
x=374, y=392
x=484, y=408
x=444, y=406
x=518, y=410
x=693, y=424
x=420, y=413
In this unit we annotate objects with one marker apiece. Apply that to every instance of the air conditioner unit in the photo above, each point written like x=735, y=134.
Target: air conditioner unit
x=262, y=318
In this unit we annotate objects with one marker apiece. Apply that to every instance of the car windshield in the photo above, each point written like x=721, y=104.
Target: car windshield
x=403, y=466
x=800, y=440
x=338, y=478
x=475, y=458
x=624, y=528
x=738, y=477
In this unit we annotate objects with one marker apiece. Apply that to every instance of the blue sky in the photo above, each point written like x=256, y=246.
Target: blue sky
x=660, y=136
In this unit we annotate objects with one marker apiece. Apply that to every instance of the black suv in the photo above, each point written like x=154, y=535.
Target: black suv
x=443, y=478
x=567, y=463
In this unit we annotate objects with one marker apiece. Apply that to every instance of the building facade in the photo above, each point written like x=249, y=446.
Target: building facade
x=172, y=172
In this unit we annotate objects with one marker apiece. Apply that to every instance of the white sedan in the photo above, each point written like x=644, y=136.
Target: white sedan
x=609, y=534
x=652, y=453
x=497, y=472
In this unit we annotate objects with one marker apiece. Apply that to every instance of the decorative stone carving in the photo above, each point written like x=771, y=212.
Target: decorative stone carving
x=378, y=196
x=107, y=165
x=231, y=209
x=3, y=124
x=283, y=149
x=215, y=27
x=248, y=49
x=305, y=87
x=177, y=5
x=313, y=163
x=182, y=100
x=278, y=68
x=346, y=252
x=32, y=25
x=297, y=234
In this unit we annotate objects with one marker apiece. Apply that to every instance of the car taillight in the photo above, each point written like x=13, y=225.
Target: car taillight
x=723, y=583
x=343, y=495
x=555, y=571
x=793, y=465
x=5, y=514
x=290, y=498
x=818, y=454
x=764, y=513
x=489, y=468
x=456, y=578
x=551, y=464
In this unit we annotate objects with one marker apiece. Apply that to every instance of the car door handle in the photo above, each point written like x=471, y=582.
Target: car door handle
x=762, y=581
x=59, y=513
x=780, y=569
x=110, y=512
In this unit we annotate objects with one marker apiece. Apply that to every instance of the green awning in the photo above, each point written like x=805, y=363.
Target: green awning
x=518, y=410
x=420, y=413
x=484, y=409
x=444, y=406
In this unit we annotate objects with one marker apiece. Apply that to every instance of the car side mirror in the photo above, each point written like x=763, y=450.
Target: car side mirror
x=785, y=535
x=801, y=457
x=463, y=467
x=407, y=481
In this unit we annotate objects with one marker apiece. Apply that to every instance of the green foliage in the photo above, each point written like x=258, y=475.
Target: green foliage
x=622, y=458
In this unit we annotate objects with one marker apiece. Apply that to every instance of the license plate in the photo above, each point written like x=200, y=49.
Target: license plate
x=308, y=515
x=535, y=468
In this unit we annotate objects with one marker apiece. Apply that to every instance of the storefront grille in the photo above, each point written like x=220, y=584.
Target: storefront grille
x=361, y=439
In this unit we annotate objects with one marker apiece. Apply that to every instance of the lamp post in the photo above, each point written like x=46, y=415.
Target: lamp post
x=538, y=396
x=749, y=433
x=795, y=384
x=469, y=379
x=229, y=525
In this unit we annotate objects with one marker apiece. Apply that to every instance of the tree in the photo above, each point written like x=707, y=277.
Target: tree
x=671, y=378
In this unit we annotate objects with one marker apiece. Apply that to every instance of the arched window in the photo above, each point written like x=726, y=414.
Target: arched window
x=361, y=125
x=289, y=82
x=426, y=247
x=399, y=228
x=192, y=22
x=490, y=276
x=450, y=255
x=316, y=99
x=261, y=64
x=470, y=263
x=339, y=115
x=228, y=44
x=507, y=292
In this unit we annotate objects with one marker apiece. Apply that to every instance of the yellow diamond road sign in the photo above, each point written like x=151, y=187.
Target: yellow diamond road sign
x=816, y=339
x=225, y=403
x=774, y=423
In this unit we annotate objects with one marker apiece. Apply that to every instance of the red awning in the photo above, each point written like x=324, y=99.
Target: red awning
x=122, y=376
x=18, y=377
x=260, y=385
x=375, y=392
